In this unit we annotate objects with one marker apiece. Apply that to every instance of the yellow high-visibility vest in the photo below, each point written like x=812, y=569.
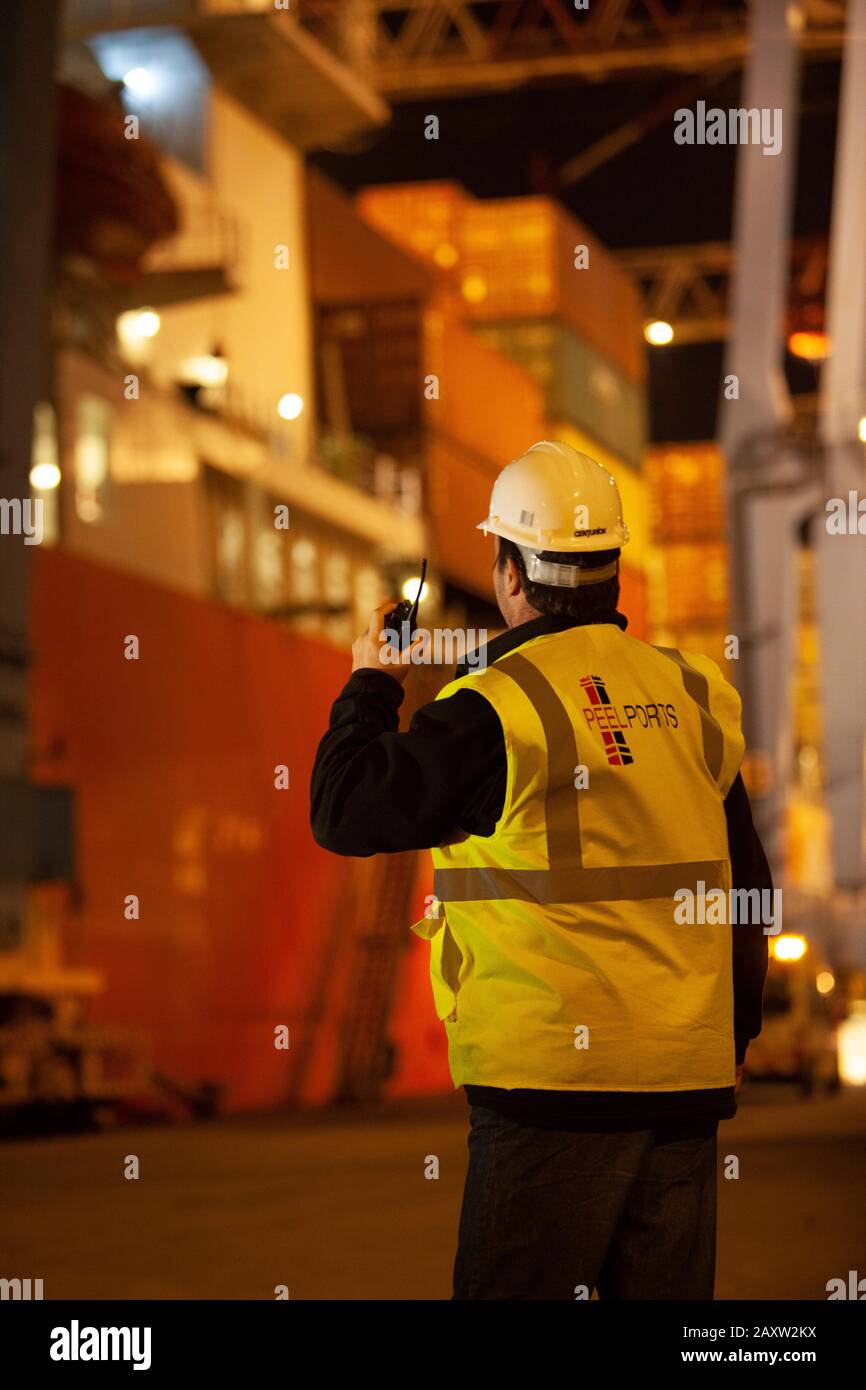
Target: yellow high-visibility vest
x=557, y=960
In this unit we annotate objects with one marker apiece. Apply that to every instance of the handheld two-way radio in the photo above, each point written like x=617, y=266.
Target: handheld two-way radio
x=401, y=620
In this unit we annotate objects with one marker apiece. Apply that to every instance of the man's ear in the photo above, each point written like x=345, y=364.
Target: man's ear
x=512, y=579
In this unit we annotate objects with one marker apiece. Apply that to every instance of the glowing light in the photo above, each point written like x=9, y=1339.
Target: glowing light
x=138, y=324
x=445, y=255
x=795, y=18
x=825, y=983
x=851, y=1043
x=290, y=406
x=148, y=323
x=474, y=289
x=410, y=589
x=789, y=947
x=861, y=429
x=140, y=81
x=304, y=554
x=92, y=441
x=44, y=476
x=811, y=346
x=44, y=468
x=658, y=333
x=207, y=370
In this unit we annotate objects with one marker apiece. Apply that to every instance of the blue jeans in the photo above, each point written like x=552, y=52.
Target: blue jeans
x=548, y=1213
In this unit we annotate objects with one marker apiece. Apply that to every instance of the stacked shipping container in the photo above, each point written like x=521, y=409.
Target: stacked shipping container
x=578, y=384
x=525, y=258
x=687, y=512
x=515, y=259
x=398, y=371
x=691, y=602
x=536, y=286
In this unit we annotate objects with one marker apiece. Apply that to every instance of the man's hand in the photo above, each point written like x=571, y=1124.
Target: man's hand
x=738, y=1081
x=370, y=653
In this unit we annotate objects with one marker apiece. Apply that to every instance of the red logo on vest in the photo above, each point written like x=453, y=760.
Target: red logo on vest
x=603, y=714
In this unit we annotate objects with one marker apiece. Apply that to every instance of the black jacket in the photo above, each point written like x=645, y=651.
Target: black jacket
x=375, y=790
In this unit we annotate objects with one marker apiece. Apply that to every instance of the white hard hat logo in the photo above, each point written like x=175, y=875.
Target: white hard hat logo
x=582, y=526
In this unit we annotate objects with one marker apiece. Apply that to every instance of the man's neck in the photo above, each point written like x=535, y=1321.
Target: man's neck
x=522, y=614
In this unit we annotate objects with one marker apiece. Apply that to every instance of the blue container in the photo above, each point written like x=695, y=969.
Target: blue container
x=580, y=385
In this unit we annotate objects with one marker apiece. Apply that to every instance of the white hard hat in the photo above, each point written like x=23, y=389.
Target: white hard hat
x=554, y=498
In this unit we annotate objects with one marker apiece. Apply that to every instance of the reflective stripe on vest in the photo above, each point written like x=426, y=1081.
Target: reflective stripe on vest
x=698, y=687
x=578, y=885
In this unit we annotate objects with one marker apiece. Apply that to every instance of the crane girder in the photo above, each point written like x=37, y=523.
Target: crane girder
x=451, y=47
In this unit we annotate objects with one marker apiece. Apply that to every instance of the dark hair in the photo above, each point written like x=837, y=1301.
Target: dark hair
x=588, y=603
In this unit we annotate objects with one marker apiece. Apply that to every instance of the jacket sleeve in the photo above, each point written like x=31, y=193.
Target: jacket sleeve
x=749, y=869
x=375, y=790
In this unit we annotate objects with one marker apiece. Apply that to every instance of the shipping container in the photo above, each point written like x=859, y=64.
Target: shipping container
x=633, y=600
x=477, y=397
x=696, y=584
x=516, y=258
x=348, y=259
x=579, y=384
x=806, y=583
x=390, y=370
x=424, y=218
x=807, y=673
x=808, y=711
x=808, y=852
x=369, y=366
x=529, y=258
x=687, y=489
x=458, y=490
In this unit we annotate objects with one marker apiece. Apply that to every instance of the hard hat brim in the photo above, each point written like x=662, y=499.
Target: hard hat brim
x=614, y=539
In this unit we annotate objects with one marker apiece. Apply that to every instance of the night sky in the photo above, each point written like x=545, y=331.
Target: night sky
x=655, y=193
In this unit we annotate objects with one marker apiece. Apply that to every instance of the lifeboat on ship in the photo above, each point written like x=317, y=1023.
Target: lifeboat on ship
x=112, y=202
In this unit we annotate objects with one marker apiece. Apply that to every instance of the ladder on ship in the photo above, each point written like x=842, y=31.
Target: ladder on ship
x=367, y=1057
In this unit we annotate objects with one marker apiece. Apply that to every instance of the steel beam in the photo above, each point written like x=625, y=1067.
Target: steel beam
x=688, y=285
x=767, y=492
x=841, y=558
x=421, y=48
